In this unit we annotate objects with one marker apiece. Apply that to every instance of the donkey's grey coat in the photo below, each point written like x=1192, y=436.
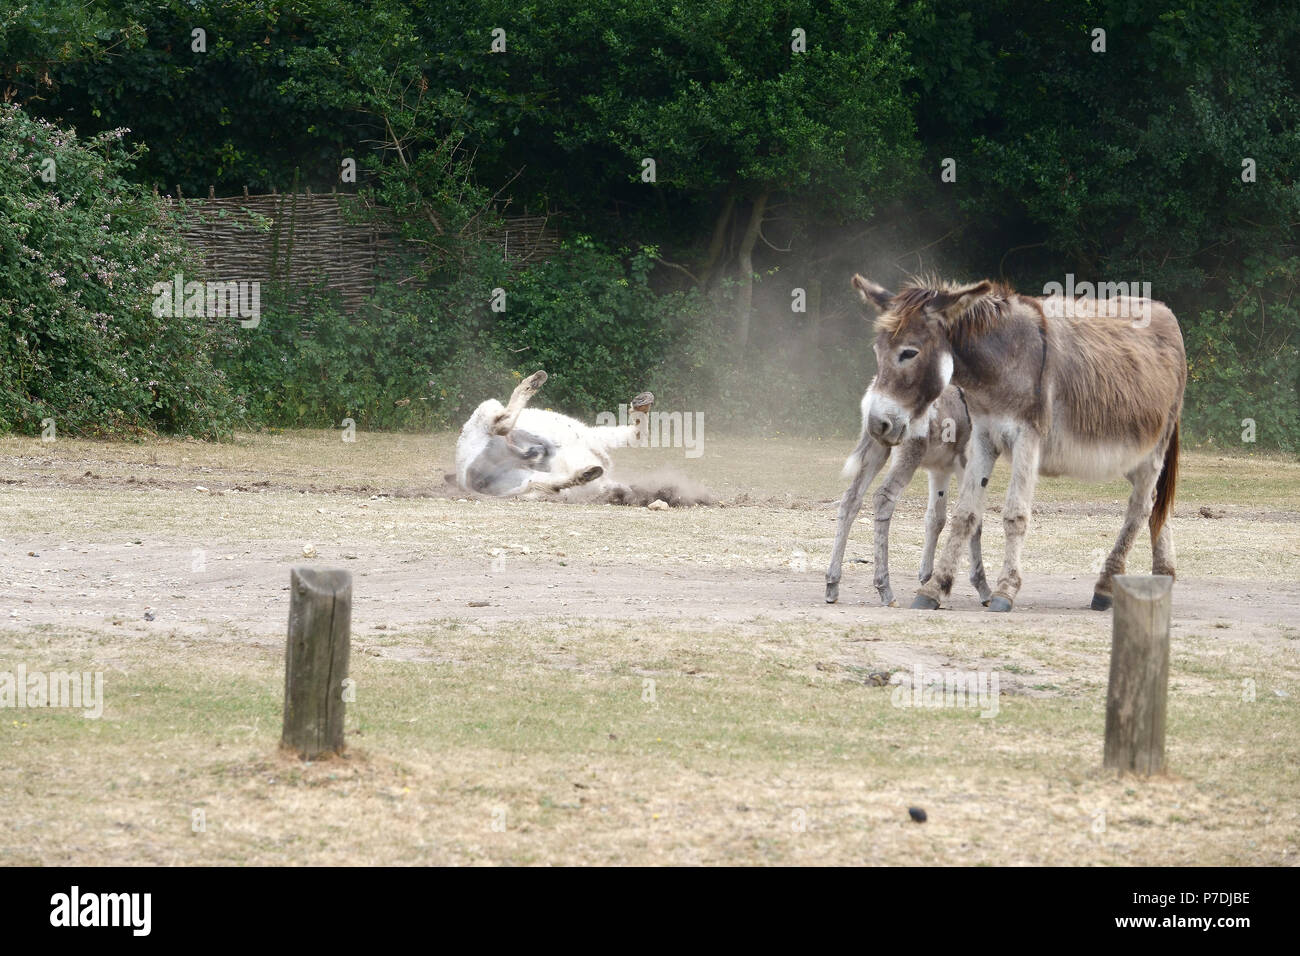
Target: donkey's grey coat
x=1087, y=388
x=941, y=450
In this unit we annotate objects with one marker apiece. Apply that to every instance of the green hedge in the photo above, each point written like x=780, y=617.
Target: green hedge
x=78, y=258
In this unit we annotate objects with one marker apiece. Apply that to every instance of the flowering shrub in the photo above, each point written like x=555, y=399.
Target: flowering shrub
x=80, y=249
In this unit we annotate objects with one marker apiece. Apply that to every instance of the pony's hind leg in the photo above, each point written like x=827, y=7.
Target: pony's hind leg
x=967, y=516
x=1140, y=503
x=977, y=577
x=634, y=434
x=1015, y=517
x=936, y=516
x=641, y=417
x=519, y=398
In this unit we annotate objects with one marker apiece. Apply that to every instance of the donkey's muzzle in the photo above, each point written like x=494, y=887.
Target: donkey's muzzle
x=886, y=429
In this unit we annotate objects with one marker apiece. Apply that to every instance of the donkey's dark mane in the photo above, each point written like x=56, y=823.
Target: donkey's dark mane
x=919, y=292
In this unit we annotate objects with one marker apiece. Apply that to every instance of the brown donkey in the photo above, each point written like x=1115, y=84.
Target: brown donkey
x=1088, y=388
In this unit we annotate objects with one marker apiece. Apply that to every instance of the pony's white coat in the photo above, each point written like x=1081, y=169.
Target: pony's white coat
x=576, y=449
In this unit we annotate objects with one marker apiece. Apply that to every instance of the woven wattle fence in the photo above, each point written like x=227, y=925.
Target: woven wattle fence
x=302, y=240
x=526, y=239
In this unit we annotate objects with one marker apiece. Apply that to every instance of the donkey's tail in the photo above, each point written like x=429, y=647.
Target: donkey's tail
x=1165, y=486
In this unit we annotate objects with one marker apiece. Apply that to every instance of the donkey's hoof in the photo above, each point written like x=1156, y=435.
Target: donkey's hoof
x=535, y=381
x=923, y=603
x=643, y=402
x=832, y=592
x=1101, y=602
x=998, y=603
x=590, y=475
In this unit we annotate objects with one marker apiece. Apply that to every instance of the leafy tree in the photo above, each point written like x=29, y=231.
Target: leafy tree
x=713, y=93
x=1122, y=165
x=40, y=37
x=1126, y=164
x=212, y=106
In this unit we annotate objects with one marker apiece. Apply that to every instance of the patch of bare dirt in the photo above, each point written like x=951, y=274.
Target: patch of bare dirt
x=157, y=588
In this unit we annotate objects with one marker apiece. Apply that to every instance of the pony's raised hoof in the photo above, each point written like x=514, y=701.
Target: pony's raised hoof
x=923, y=603
x=832, y=592
x=533, y=383
x=643, y=402
x=1101, y=602
x=999, y=604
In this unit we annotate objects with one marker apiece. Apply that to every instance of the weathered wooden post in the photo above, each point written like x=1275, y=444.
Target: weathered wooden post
x=1139, y=674
x=316, y=660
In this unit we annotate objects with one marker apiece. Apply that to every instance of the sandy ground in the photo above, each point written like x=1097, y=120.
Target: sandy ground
x=167, y=564
x=202, y=535
x=117, y=585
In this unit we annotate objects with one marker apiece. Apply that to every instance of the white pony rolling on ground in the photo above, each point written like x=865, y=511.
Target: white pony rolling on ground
x=511, y=450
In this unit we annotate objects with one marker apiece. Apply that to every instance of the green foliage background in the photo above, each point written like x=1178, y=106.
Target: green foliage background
x=1122, y=165
x=81, y=344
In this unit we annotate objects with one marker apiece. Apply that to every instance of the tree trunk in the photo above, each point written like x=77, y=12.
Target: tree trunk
x=745, y=298
x=710, y=269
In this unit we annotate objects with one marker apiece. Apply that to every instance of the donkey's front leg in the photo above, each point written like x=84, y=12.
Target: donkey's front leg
x=871, y=456
x=1015, y=515
x=549, y=482
x=884, y=501
x=966, y=518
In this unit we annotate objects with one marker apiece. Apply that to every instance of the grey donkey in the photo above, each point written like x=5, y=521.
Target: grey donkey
x=939, y=448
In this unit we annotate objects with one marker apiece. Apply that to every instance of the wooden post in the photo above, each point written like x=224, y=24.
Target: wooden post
x=1139, y=674
x=316, y=660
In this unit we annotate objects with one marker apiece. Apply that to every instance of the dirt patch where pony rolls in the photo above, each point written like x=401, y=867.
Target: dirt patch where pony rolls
x=618, y=684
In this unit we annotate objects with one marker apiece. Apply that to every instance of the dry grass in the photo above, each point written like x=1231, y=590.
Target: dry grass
x=766, y=740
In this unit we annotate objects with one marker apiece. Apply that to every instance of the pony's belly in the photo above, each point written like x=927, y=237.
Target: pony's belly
x=1088, y=461
x=560, y=430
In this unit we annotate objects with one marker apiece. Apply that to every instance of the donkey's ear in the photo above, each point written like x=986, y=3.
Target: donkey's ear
x=872, y=294
x=951, y=305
